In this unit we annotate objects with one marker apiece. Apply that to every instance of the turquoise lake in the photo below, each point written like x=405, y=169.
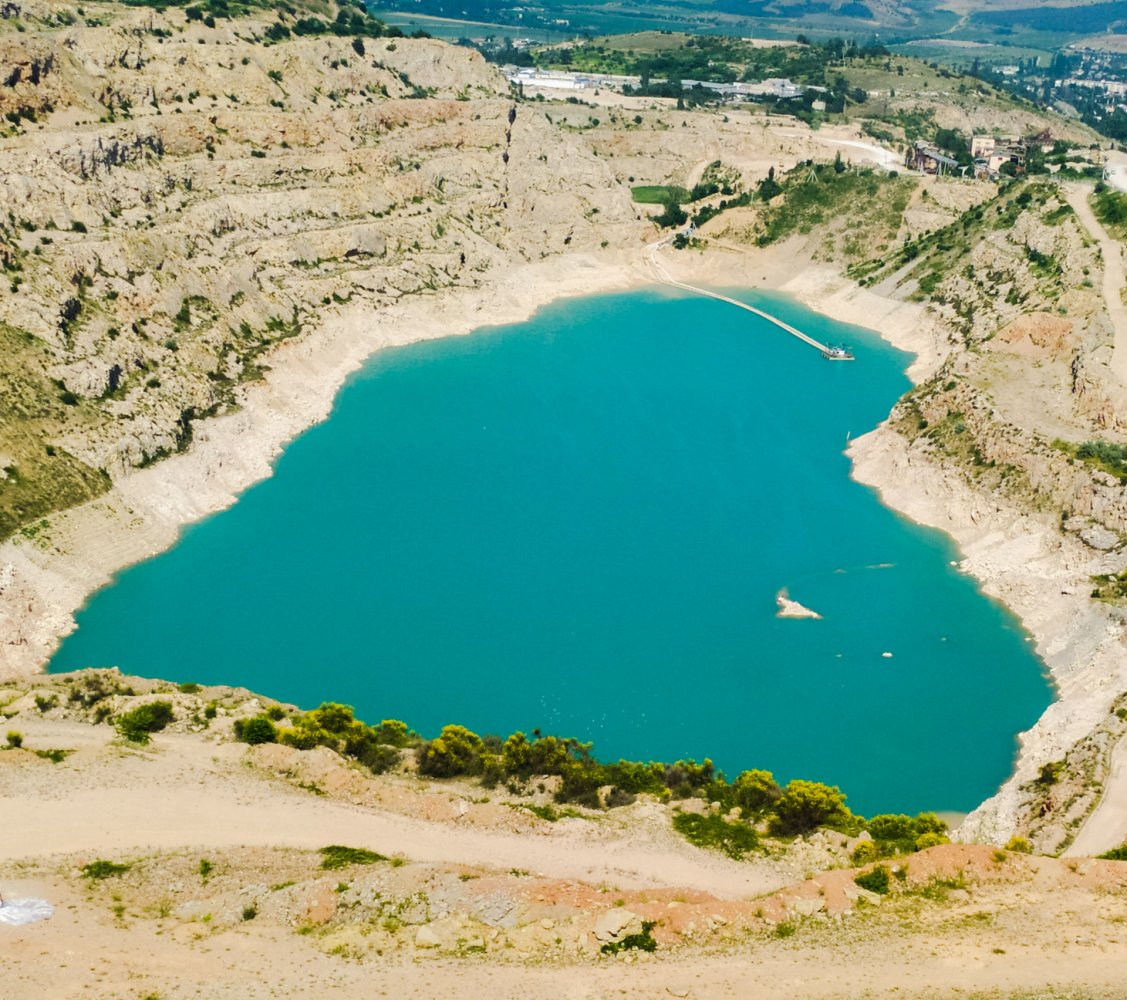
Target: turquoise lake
x=580, y=524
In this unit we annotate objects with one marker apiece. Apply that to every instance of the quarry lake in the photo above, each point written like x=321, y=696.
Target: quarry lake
x=580, y=524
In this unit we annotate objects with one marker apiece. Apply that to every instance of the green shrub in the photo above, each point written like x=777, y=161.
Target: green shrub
x=255, y=730
x=755, y=792
x=379, y=758
x=1116, y=854
x=303, y=737
x=1105, y=455
x=15, y=739
x=875, y=880
x=137, y=724
x=335, y=856
x=394, y=733
x=1050, y=773
x=642, y=942
x=804, y=806
x=189, y=687
x=98, y=870
x=715, y=832
x=672, y=215
x=865, y=852
x=54, y=756
x=900, y=834
x=457, y=751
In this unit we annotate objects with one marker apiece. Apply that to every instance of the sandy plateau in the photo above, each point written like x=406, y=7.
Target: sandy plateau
x=339, y=205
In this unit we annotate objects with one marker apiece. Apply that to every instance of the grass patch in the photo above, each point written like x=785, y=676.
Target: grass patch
x=39, y=476
x=1097, y=454
x=875, y=880
x=1110, y=586
x=659, y=194
x=716, y=833
x=548, y=813
x=1058, y=215
x=336, y=856
x=1110, y=207
x=937, y=889
x=859, y=209
x=98, y=870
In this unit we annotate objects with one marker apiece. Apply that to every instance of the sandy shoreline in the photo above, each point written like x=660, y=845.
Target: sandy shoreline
x=1017, y=559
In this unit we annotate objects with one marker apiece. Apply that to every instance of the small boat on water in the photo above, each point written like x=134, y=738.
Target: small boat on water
x=837, y=353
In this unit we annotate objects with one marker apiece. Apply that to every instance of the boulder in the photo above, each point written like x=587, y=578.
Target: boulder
x=807, y=907
x=613, y=925
x=1099, y=537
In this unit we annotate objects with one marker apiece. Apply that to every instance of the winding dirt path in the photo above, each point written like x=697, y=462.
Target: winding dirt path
x=1114, y=279
x=185, y=792
x=1106, y=827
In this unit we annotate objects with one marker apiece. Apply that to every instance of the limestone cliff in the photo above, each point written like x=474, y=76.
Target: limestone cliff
x=177, y=199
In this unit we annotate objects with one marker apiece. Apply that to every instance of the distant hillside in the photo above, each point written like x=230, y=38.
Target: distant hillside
x=1045, y=24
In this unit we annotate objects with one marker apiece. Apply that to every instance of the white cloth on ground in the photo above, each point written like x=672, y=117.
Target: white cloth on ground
x=16, y=912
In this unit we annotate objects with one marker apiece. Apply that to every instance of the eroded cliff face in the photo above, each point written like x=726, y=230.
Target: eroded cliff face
x=177, y=199
x=1014, y=286
x=986, y=447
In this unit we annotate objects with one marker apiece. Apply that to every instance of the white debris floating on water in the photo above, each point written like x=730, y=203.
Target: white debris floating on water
x=17, y=912
x=792, y=609
x=887, y=656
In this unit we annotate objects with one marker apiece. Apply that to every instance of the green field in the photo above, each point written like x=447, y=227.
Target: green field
x=659, y=194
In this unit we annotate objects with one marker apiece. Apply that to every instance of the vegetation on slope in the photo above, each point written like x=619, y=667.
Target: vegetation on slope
x=856, y=211
x=739, y=811
x=1106, y=456
x=943, y=267
x=37, y=476
x=1110, y=207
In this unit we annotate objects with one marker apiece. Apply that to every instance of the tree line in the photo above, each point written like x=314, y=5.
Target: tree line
x=799, y=807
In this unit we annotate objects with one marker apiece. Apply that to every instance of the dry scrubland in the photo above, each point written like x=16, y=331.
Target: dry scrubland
x=201, y=235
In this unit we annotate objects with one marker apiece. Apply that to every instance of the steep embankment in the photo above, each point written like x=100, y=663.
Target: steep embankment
x=987, y=449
